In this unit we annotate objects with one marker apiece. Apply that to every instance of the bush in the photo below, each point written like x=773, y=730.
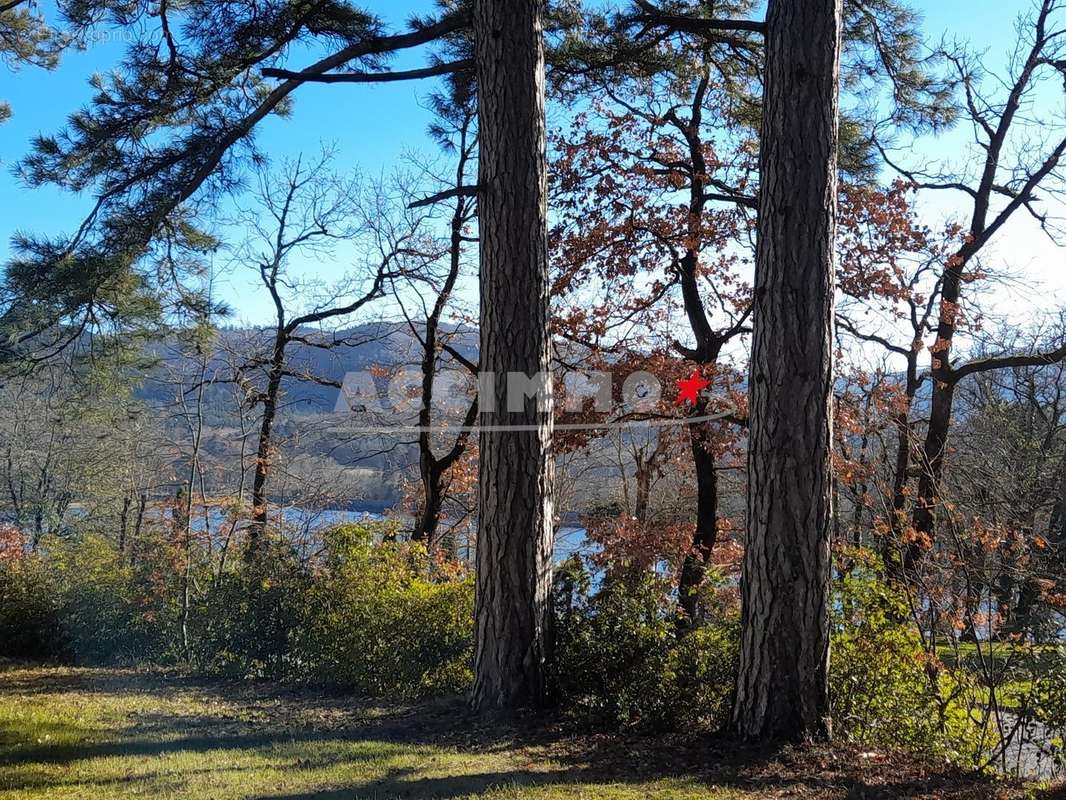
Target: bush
x=621, y=662
x=246, y=625
x=105, y=615
x=886, y=689
x=29, y=609
x=377, y=624
x=79, y=601
x=1050, y=694
x=368, y=617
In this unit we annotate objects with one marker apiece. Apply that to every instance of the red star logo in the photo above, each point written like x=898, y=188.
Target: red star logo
x=690, y=388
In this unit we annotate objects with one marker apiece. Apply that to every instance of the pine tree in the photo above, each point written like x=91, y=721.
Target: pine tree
x=516, y=523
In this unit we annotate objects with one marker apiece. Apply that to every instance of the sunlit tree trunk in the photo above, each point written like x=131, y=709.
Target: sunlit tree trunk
x=515, y=529
x=782, y=689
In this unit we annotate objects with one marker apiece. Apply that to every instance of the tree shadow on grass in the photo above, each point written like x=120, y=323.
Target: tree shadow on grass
x=708, y=765
x=299, y=730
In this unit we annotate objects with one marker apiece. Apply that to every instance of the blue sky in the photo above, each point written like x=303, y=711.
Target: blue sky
x=374, y=125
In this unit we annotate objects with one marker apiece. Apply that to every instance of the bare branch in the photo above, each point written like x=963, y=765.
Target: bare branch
x=372, y=77
x=459, y=191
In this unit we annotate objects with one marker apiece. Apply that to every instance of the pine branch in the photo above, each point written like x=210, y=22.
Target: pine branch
x=372, y=77
x=654, y=16
x=459, y=191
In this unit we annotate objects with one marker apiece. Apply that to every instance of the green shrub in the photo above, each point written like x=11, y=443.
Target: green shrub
x=368, y=618
x=886, y=689
x=621, y=662
x=377, y=624
x=29, y=610
x=246, y=624
x=1050, y=706
x=105, y=616
x=80, y=601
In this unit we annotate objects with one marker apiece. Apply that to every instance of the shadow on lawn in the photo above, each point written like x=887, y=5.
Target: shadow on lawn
x=721, y=767
x=714, y=764
x=299, y=730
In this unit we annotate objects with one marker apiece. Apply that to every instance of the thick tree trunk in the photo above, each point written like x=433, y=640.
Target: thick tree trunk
x=515, y=528
x=782, y=688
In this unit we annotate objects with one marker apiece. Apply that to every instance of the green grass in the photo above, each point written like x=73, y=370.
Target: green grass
x=998, y=654
x=97, y=734
x=1008, y=666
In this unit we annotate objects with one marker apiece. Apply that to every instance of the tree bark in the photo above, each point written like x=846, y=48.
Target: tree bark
x=782, y=689
x=932, y=465
x=427, y=520
x=893, y=552
x=694, y=567
x=515, y=527
x=265, y=449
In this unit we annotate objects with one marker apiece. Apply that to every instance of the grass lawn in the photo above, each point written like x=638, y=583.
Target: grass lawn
x=1009, y=667
x=97, y=734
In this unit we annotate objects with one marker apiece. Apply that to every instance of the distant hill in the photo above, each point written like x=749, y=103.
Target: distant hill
x=365, y=347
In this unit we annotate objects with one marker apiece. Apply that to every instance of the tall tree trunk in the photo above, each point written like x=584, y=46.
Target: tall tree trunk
x=782, y=688
x=932, y=464
x=515, y=526
x=642, y=501
x=892, y=551
x=647, y=469
x=432, y=469
x=709, y=344
x=902, y=468
x=138, y=524
x=123, y=522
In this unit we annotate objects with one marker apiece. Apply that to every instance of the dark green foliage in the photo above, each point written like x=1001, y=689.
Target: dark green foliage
x=621, y=662
x=29, y=610
x=890, y=79
x=377, y=624
x=246, y=625
x=368, y=618
x=1050, y=690
x=81, y=602
x=884, y=54
x=25, y=38
x=167, y=133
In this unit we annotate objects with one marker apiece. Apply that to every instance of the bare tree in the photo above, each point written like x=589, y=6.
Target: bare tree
x=1020, y=166
x=456, y=130
x=307, y=210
